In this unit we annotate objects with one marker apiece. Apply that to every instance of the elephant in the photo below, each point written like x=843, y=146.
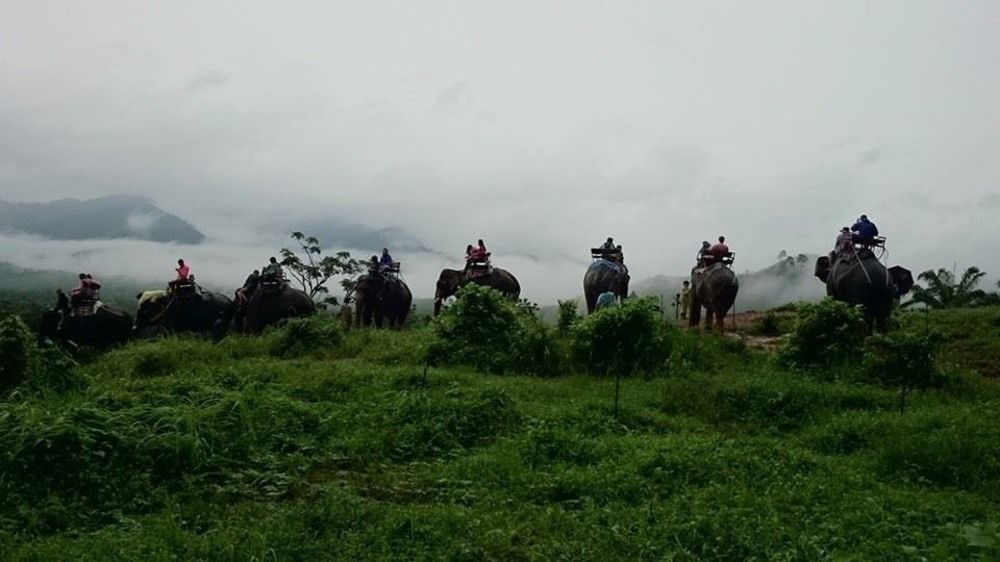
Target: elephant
x=379, y=298
x=859, y=279
x=105, y=327
x=603, y=276
x=207, y=312
x=713, y=288
x=450, y=280
x=269, y=305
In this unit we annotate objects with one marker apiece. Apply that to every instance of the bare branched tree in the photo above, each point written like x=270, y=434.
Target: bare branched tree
x=312, y=270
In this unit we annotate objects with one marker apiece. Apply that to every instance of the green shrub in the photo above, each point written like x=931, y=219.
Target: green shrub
x=623, y=339
x=903, y=360
x=826, y=334
x=488, y=332
x=568, y=316
x=16, y=348
x=304, y=336
x=24, y=362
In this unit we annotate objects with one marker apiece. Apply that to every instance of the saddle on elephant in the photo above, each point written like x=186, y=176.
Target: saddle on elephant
x=478, y=266
x=184, y=289
x=609, y=254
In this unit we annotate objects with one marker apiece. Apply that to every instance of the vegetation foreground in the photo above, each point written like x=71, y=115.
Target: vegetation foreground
x=309, y=443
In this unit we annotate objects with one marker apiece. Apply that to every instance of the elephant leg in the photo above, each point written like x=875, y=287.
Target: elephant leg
x=694, y=318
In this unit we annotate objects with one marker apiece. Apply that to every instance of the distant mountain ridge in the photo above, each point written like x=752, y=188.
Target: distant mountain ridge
x=116, y=216
x=788, y=280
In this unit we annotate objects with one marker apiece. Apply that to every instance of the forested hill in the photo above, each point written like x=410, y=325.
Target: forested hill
x=118, y=216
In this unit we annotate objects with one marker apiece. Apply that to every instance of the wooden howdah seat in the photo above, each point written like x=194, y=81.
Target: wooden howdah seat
x=613, y=254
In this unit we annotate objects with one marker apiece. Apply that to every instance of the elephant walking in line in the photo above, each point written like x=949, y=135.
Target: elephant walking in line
x=378, y=298
x=105, y=327
x=204, y=313
x=713, y=288
x=270, y=305
x=859, y=279
x=450, y=280
x=603, y=276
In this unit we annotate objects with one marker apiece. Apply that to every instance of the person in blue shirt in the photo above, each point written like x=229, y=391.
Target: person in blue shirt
x=386, y=260
x=864, y=230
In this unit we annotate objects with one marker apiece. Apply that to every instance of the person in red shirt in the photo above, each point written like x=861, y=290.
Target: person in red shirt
x=720, y=249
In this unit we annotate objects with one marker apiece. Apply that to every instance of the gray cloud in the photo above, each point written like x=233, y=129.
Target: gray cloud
x=540, y=127
x=207, y=80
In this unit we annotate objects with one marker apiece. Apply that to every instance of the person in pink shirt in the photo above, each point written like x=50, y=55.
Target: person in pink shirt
x=183, y=271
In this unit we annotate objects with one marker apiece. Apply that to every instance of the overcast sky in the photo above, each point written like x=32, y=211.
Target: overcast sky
x=543, y=127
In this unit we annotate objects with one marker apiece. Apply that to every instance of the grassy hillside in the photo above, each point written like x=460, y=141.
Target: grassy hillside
x=298, y=447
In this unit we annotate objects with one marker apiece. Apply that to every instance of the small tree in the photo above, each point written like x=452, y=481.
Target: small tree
x=622, y=340
x=905, y=360
x=943, y=291
x=568, y=316
x=312, y=270
x=826, y=334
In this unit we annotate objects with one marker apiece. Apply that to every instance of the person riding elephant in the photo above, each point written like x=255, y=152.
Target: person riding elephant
x=272, y=271
x=451, y=280
x=378, y=298
x=713, y=288
x=106, y=326
x=602, y=276
x=205, y=313
x=865, y=231
x=267, y=307
x=860, y=279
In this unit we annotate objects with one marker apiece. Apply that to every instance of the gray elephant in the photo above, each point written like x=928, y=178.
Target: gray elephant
x=603, y=276
x=450, y=280
x=378, y=298
x=270, y=304
x=103, y=327
x=859, y=279
x=204, y=313
x=713, y=288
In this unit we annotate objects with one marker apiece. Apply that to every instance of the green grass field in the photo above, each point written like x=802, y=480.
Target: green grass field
x=257, y=449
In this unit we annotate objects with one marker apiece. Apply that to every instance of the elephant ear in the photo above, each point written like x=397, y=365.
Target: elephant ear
x=902, y=278
x=822, y=270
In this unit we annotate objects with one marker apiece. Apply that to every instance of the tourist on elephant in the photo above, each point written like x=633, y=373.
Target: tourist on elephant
x=182, y=270
x=468, y=253
x=605, y=299
x=374, y=267
x=249, y=286
x=719, y=249
x=609, y=244
x=845, y=243
x=865, y=231
x=272, y=271
x=704, y=253
x=386, y=260
x=62, y=306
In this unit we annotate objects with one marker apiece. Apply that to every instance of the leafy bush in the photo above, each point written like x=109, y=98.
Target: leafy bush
x=22, y=361
x=903, y=360
x=622, y=339
x=304, y=336
x=826, y=334
x=568, y=316
x=15, y=351
x=486, y=331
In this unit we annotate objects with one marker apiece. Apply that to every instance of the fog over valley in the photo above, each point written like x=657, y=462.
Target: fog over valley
x=540, y=127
